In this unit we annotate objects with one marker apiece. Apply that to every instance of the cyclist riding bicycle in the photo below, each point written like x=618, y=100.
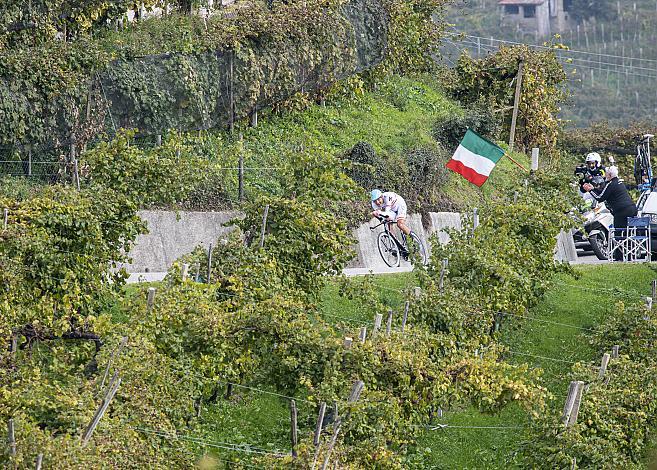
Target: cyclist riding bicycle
x=391, y=205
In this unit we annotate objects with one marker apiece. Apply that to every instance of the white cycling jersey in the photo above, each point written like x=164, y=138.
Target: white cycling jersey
x=392, y=202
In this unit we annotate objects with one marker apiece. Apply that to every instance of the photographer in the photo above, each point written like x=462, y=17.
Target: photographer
x=592, y=168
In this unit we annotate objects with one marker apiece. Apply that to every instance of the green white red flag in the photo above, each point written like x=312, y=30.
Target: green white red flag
x=475, y=158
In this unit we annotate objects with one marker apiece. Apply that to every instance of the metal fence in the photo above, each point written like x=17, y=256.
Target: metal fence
x=47, y=171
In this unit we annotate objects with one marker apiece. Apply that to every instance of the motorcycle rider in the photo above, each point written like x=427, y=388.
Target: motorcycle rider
x=615, y=195
x=592, y=168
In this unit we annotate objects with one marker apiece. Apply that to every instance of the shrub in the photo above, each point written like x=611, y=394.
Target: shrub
x=449, y=132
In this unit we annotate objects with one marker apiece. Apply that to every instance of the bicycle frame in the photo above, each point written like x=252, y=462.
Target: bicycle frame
x=386, y=227
x=642, y=164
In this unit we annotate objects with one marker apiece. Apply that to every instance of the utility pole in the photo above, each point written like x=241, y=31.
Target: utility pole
x=516, y=102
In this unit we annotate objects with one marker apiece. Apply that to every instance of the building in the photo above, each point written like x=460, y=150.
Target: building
x=541, y=17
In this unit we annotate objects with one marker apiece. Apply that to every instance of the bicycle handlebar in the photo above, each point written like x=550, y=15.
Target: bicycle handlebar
x=384, y=220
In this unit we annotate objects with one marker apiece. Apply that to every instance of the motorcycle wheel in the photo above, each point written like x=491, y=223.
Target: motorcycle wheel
x=600, y=246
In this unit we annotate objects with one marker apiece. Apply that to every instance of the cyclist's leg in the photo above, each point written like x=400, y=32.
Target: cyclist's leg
x=401, y=223
x=401, y=219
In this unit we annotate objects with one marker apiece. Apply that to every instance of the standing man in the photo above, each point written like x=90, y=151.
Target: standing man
x=615, y=195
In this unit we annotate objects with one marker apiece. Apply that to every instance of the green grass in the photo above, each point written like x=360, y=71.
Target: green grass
x=571, y=304
x=585, y=305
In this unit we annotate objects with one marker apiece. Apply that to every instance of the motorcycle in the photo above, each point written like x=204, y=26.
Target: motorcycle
x=597, y=221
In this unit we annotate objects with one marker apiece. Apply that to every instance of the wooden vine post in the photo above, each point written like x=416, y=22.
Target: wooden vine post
x=209, y=263
x=150, y=299
x=378, y=318
x=389, y=323
x=264, y=226
x=353, y=397
x=363, y=334
x=516, y=103
x=405, y=317
x=293, y=427
x=5, y=218
x=573, y=400
x=443, y=272
x=603, y=365
x=11, y=437
x=114, y=386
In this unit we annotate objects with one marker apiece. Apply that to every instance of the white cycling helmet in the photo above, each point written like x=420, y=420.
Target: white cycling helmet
x=594, y=157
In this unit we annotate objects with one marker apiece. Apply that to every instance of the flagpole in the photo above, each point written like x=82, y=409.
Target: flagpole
x=518, y=164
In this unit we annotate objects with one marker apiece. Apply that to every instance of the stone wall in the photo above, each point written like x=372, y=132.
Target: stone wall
x=172, y=235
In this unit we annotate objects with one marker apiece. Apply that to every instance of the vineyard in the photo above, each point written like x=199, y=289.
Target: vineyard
x=258, y=352
x=609, y=55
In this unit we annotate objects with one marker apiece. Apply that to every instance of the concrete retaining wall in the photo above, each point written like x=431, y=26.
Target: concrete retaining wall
x=172, y=235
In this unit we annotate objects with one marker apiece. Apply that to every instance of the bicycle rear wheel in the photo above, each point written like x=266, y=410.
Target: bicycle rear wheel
x=388, y=249
x=417, y=248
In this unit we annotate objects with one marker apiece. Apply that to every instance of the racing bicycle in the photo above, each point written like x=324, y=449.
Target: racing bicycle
x=392, y=249
x=642, y=165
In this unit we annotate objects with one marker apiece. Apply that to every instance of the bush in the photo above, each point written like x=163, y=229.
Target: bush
x=449, y=133
x=426, y=173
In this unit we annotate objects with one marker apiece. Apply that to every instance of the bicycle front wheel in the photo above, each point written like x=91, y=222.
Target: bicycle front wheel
x=417, y=248
x=388, y=249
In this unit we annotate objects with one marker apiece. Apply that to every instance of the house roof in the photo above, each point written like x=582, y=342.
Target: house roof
x=521, y=2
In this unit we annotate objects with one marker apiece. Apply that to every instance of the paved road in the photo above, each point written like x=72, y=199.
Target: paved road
x=158, y=276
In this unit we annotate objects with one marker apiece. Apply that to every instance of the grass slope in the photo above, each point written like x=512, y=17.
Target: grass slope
x=260, y=421
x=395, y=119
x=571, y=305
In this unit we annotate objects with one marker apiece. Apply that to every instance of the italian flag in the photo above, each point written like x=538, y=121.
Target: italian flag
x=475, y=158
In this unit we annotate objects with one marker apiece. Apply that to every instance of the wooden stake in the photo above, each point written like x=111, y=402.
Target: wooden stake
x=114, y=386
x=347, y=342
x=603, y=365
x=378, y=318
x=353, y=397
x=389, y=323
x=150, y=299
x=363, y=334
x=76, y=174
x=240, y=178
x=264, y=226
x=320, y=421
x=231, y=94
x=417, y=291
x=614, y=351
x=406, y=307
x=516, y=103
x=115, y=354
x=573, y=400
x=475, y=219
x=184, y=271
x=11, y=437
x=293, y=427
x=443, y=271
x=654, y=281
x=6, y=218
x=209, y=264
x=158, y=139
x=39, y=462
x=13, y=346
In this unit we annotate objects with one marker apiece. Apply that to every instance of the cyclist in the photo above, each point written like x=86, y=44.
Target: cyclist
x=592, y=168
x=390, y=203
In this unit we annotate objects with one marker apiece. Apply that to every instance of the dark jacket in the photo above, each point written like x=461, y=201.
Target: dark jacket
x=586, y=175
x=615, y=194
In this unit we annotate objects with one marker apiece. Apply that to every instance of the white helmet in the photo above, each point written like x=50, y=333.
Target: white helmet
x=593, y=157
